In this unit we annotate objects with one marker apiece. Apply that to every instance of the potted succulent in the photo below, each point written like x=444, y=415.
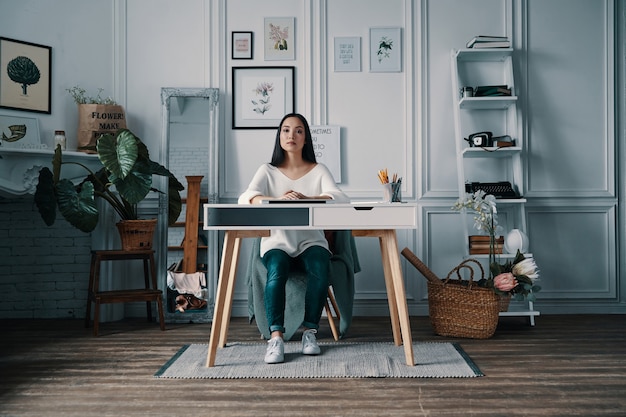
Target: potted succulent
x=124, y=180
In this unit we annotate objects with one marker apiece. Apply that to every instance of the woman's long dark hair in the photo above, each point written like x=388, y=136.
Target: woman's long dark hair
x=308, y=154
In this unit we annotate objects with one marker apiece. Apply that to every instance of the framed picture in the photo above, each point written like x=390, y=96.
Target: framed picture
x=385, y=50
x=242, y=45
x=348, y=54
x=19, y=132
x=279, y=39
x=262, y=96
x=25, y=76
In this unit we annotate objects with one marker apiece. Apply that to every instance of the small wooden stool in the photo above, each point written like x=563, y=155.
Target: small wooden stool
x=147, y=294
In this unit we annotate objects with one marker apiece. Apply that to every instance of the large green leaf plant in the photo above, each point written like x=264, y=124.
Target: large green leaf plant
x=124, y=180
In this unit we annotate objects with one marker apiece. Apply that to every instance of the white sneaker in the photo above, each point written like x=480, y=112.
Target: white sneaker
x=275, y=352
x=309, y=343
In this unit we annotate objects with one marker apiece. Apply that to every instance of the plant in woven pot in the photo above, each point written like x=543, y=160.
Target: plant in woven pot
x=124, y=180
x=510, y=279
x=516, y=278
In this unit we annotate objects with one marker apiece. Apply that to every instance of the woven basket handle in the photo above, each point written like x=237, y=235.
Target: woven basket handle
x=466, y=264
x=421, y=266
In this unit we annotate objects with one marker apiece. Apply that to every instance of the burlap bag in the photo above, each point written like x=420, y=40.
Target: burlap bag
x=95, y=120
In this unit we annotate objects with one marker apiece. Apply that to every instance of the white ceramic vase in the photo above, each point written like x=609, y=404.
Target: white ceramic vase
x=516, y=240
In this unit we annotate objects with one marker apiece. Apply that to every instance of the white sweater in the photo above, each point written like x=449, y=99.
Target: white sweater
x=270, y=181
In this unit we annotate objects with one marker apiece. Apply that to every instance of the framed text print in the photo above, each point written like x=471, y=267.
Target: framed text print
x=385, y=50
x=242, y=45
x=25, y=76
x=262, y=96
x=348, y=54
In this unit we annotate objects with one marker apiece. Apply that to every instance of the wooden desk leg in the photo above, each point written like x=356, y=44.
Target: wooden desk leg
x=230, y=290
x=393, y=257
x=220, y=298
x=391, y=292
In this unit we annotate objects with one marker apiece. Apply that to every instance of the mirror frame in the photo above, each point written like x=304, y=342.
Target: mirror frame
x=168, y=95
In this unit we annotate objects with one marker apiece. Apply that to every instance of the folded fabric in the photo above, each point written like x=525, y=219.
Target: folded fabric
x=186, y=283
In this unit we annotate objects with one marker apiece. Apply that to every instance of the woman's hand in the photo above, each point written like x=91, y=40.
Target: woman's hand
x=293, y=195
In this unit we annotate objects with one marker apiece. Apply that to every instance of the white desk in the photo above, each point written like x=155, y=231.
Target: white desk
x=365, y=220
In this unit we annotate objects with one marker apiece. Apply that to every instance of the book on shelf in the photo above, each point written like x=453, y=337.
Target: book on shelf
x=486, y=39
x=486, y=45
x=492, y=90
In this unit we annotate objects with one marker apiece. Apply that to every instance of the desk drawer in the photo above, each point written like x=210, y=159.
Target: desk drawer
x=392, y=216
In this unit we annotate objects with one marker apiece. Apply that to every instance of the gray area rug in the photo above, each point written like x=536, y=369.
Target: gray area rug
x=338, y=360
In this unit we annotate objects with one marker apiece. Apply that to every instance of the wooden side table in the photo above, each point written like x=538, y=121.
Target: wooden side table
x=148, y=294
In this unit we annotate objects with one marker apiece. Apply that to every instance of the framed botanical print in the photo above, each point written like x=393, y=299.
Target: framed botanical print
x=262, y=96
x=385, y=50
x=25, y=76
x=279, y=38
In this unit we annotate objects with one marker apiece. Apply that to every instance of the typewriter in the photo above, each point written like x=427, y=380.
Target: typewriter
x=501, y=189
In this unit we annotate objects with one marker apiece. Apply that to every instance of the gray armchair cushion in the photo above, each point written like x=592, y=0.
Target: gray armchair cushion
x=343, y=265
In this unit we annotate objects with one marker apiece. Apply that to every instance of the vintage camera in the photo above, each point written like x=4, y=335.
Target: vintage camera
x=480, y=139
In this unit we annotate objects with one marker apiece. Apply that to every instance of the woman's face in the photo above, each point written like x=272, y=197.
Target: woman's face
x=292, y=135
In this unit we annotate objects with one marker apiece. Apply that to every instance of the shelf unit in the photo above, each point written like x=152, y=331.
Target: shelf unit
x=498, y=114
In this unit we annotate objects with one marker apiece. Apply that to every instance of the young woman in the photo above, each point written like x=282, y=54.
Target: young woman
x=293, y=174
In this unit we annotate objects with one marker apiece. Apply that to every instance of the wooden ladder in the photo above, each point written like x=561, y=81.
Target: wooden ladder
x=192, y=223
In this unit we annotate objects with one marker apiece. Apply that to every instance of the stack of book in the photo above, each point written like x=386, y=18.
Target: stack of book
x=479, y=245
x=492, y=90
x=482, y=41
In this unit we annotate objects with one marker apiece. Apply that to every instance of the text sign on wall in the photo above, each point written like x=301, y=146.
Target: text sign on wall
x=327, y=148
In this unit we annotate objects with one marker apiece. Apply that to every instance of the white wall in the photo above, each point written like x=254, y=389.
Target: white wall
x=402, y=121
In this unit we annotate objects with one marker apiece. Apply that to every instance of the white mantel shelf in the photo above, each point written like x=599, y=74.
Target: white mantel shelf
x=19, y=168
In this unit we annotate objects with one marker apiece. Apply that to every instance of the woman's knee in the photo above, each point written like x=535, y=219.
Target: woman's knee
x=316, y=261
x=277, y=263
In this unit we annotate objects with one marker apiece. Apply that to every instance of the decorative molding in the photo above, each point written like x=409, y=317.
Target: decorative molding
x=19, y=171
x=119, y=51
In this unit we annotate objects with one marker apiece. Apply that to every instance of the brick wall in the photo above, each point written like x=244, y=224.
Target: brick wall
x=44, y=270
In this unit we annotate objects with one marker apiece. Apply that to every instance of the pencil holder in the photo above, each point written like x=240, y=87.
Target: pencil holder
x=392, y=192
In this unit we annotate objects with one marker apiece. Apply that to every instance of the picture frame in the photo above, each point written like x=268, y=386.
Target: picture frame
x=279, y=38
x=261, y=96
x=19, y=132
x=242, y=45
x=348, y=54
x=30, y=91
x=386, y=49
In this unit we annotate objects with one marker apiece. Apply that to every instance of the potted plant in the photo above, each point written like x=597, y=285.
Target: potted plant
x=514, y=278
x=97, y=115
x=124, y=180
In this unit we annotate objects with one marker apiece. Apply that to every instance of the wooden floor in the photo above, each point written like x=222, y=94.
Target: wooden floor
x=564, y=366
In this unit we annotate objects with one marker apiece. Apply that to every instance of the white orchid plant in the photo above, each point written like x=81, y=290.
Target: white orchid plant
x=517, y=277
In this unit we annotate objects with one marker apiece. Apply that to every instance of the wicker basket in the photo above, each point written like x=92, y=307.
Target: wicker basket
x=136, y=234
x=503, y=302
x=457, y=307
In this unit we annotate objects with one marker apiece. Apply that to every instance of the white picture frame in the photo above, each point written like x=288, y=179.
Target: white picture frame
x=348, y=54
x=386, y=49
x=327, y=148
x=279, y=36
x=19, y=132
